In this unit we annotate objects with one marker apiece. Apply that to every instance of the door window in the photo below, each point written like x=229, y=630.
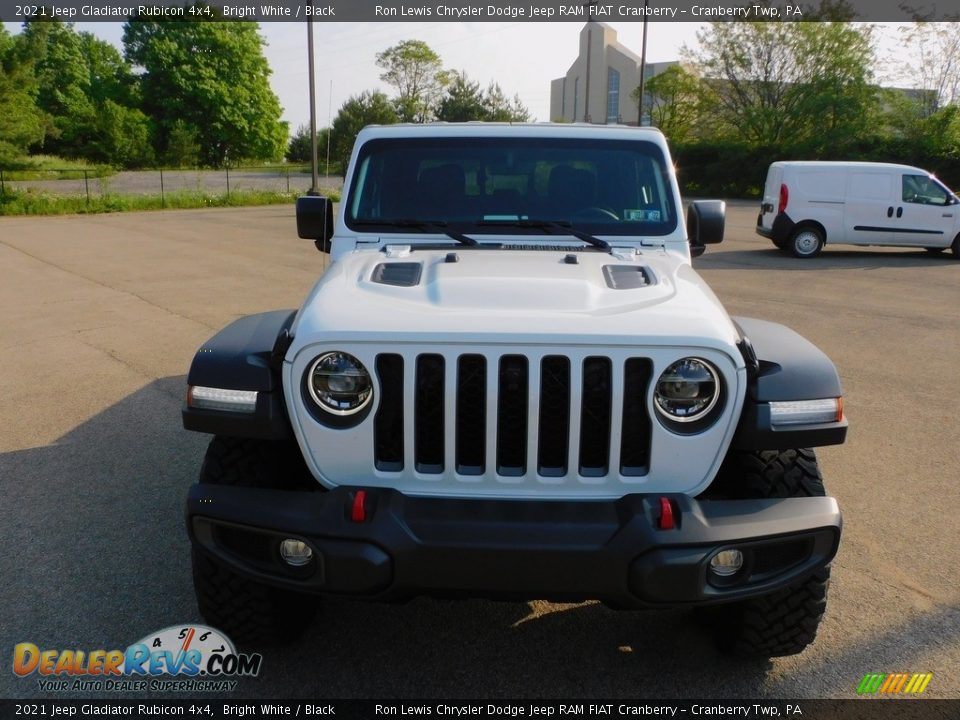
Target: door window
x=923, y=190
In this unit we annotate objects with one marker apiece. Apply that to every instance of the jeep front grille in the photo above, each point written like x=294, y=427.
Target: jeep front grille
x=512, y=415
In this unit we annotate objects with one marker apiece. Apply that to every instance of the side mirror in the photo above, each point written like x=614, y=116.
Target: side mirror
x=315, y=220
x=705, y=224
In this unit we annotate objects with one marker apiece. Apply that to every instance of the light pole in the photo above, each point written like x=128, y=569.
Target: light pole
x=315, y=179
x=586, y=90
x=643, y=64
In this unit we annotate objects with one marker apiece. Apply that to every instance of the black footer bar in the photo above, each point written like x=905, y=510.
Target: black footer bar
x=865, y=708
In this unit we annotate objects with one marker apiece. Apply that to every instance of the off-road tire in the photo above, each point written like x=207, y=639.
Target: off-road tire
x=774, y=474
x=250, y=613
x=246, y=462
x=784, y=622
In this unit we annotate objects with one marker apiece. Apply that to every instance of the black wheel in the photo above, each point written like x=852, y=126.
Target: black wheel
x=784, y=622
x=249, y=612
x=955, y=248
x=806, y=242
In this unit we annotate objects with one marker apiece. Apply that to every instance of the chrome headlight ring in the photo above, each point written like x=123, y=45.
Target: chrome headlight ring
x=687, y=395
x=339, y=384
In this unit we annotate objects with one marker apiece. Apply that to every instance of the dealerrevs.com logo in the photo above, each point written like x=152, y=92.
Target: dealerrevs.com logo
x=178, y=658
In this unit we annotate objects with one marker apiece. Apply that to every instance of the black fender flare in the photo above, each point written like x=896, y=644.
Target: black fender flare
x=245, y=355
x=782, y=366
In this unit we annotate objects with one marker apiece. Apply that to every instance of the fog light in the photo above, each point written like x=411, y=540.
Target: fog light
x=726, y=563
x=295, y=552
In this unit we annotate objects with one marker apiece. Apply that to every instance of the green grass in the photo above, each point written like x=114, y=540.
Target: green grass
x=40, y=203
x=51, y=167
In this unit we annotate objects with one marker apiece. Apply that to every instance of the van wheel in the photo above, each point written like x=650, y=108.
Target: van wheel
x=806, y=242
x=955, y=248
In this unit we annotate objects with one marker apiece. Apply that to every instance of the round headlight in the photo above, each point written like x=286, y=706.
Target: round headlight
x=339, y=383
x=687, y=390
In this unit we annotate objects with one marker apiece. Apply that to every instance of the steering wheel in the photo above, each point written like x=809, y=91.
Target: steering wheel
x=597, y=212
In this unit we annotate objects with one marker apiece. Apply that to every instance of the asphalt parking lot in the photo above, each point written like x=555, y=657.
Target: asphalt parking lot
x=102, y=314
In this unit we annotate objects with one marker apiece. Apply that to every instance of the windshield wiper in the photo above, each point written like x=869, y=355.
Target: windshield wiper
x=565, y=226
x=421, y=225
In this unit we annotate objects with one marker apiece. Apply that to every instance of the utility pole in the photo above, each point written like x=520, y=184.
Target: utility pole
x=314, y=174
x=586, y=91
x=643, y=64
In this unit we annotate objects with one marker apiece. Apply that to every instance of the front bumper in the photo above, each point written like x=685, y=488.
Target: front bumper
x=614, y=550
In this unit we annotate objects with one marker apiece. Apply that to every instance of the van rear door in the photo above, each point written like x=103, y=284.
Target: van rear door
x=771, y=197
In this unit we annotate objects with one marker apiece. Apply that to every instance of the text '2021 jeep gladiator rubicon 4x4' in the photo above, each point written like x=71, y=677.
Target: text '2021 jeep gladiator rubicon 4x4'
x=510, y=383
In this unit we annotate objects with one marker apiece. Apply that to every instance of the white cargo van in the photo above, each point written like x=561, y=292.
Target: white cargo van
x=808, y=204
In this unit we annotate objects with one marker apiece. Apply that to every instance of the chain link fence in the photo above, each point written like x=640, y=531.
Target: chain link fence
x=91, y=183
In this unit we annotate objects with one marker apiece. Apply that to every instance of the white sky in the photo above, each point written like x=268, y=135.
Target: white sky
x=522, y=57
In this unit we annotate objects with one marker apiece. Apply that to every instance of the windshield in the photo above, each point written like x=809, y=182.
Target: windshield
x=481, y=184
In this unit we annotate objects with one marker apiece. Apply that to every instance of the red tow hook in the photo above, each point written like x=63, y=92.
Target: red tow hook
x=666, y=521
x=358, y=511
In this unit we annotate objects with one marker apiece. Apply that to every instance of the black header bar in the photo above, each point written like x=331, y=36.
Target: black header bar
x=699, y=11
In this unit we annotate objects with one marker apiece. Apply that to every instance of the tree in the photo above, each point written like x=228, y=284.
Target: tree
x=183, y=145
x=679, y=102
x=213, y=78
x=120, y=132
x=934, y=65
x=299, y=148
x=777, y=81
x=502, y=110
x=463, y=100
x=367, y=108
x=54, y=51
x=87, y=95
x=417, y=74
x=123, y=136
x=21, y=123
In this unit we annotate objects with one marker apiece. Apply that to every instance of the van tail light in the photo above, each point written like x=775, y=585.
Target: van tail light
x=784, y=198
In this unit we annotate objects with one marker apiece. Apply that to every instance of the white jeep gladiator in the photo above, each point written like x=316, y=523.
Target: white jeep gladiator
x=510, y=383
